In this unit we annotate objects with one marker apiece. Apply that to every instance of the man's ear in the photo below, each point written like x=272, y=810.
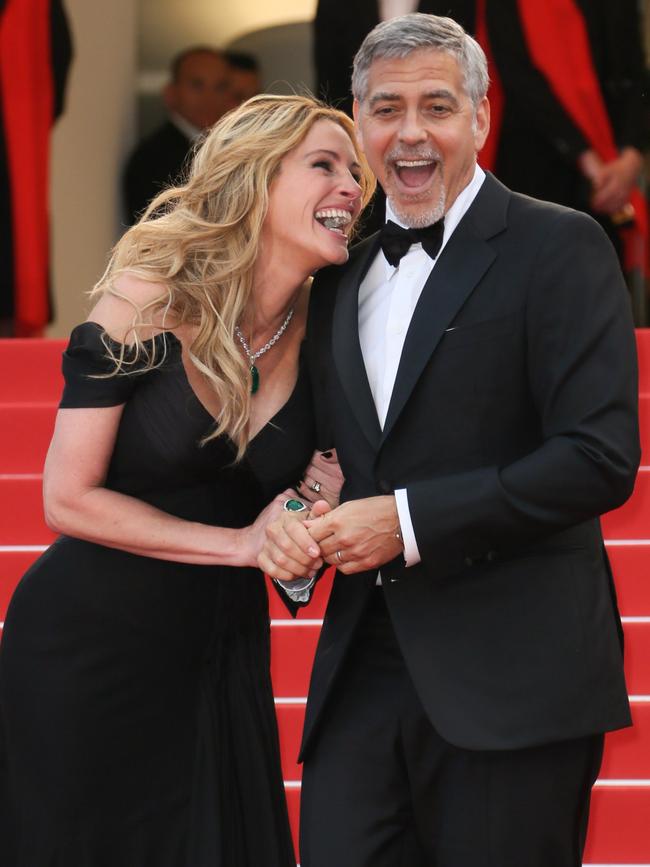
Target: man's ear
x=356, y=111
x=482, y=123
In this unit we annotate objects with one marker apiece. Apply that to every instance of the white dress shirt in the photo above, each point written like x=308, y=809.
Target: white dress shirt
x=191, y=132
x=387, y=299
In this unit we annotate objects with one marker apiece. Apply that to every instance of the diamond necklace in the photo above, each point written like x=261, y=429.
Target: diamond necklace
x=253, y=356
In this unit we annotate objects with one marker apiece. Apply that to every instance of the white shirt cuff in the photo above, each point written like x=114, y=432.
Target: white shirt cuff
x=411, y=551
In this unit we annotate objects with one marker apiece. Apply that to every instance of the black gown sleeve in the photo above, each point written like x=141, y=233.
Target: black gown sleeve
x=89, y=370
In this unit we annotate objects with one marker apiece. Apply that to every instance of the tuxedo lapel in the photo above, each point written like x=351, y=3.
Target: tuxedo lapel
x=463, y=262
x=346, y=347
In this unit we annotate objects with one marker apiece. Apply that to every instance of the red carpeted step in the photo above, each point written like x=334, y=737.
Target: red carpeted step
x=627, y=752
x=31, y=370
x=293, y=648
x=34, y=368
x=637, y=658
x=22, y=520
x=632, y=520
x=618, y=828
x=25, y=435
x=631, y=565
x=292, y=655
x=290, y=722
x=631, y=568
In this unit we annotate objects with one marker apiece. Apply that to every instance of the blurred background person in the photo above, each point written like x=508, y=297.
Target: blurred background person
x=245, y=79
x=197, y=96
x=569, y=116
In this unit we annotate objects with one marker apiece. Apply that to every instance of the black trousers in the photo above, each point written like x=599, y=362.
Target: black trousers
x=382, y=789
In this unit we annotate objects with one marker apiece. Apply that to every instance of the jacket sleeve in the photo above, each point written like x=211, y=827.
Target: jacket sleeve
x=582, y=380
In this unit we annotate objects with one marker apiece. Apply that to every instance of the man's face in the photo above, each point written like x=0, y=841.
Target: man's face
x=202, y=93
x=418, y=130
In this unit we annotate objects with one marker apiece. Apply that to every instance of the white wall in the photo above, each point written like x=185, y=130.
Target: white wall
x=88, y=148
x=97, y=130
x=167, y=26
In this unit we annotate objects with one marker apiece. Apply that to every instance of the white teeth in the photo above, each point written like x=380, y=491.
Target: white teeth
x=410, y=164
x=333, y=218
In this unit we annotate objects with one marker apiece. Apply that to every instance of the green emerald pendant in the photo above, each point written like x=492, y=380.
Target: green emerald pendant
x=255, y=379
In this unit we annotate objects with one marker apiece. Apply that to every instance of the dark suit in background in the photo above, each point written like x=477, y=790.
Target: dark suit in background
x=156, y=162
x=200, y=91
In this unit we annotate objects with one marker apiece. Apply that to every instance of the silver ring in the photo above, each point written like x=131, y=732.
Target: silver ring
x=315, y=487
x=338, y=557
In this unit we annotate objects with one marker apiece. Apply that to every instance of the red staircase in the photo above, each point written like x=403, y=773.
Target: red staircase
x=30, y=386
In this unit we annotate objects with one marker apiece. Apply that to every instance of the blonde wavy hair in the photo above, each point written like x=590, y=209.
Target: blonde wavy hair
x=200, y=240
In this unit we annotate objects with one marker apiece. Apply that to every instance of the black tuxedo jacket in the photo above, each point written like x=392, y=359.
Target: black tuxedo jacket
x=512, y=426
x=155, y=163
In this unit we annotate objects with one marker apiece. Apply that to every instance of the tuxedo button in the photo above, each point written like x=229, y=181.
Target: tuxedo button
x=469, y=561
x=491, y=556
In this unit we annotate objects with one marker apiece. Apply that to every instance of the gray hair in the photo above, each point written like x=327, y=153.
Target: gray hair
x=399, y=37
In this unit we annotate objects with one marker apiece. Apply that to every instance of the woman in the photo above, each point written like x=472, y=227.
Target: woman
x=136, y=705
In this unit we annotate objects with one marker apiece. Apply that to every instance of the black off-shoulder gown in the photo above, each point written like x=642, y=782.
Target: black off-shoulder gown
x=137, y=724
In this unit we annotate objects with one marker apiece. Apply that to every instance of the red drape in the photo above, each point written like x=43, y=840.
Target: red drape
x=28, y=108
x=558, y=45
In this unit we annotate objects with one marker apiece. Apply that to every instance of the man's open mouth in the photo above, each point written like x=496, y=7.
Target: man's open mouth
x=416, y=172
x=334, y=219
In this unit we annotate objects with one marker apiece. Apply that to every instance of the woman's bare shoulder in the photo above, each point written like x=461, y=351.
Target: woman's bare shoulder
x=131, y=300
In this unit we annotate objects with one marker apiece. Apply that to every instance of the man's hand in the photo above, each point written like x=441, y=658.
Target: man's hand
x=611, y=182
x=289, y=551
x=616, y=181
x=359, y=535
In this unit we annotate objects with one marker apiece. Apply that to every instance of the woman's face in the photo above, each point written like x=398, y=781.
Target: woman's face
x=314, y=200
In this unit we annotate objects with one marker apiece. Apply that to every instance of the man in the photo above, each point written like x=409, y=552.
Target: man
x=198, y=94
x=339, y=29
x=482, y=399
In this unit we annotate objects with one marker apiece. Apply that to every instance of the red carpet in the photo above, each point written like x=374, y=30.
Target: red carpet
x=29, y=390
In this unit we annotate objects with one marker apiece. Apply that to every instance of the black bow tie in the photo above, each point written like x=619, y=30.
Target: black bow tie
x=395, y=241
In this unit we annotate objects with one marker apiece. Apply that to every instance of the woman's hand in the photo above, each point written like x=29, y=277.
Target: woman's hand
x=254, y=536
x=289, y=551
x=322, y=479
